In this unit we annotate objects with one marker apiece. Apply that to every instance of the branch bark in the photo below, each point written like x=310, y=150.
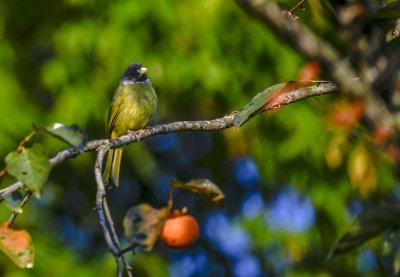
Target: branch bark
x=105, y=218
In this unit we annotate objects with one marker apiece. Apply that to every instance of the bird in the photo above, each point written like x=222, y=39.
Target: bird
x=133, y=105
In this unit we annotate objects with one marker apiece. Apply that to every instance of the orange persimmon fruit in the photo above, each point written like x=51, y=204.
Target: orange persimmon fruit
x=180, y=231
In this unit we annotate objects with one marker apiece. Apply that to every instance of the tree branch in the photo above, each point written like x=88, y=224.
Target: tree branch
x=297, y=94
x=217, y=124
x=100, y=196
x=114, y=237
x=10, y=189
x=313, y=47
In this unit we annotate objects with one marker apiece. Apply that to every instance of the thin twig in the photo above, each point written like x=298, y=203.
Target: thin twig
x=12, y=188
x=114, y=237
x=297, y=5
x=24, y=200
x=3, y=173
x=127, y=249
x=286, y=98
x=25, y=140
x=100, y=195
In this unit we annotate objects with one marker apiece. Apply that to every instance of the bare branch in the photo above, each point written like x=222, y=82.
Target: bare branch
x=295, y=95
x=105, y=218
x=217, y=124
x=129, y=248
x=298, y=5
x=114, y=237
x=10, y=189
x=100, y=196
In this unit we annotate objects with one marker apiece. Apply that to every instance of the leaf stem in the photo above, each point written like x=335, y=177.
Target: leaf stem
x=3, y=173
x=298, y=5
x=25, y=140
x=24, y=200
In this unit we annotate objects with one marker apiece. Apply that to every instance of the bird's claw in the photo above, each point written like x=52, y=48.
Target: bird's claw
x=133, y=133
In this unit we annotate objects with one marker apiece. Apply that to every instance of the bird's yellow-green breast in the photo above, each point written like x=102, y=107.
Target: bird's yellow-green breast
x=132, y=107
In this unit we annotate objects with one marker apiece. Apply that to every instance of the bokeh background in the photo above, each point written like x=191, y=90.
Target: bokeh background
x=285, y=174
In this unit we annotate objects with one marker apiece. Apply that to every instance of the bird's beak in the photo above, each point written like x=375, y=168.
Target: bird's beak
x=142, y=70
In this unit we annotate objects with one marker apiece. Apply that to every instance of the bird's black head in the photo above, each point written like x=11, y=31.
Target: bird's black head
x=135, y=73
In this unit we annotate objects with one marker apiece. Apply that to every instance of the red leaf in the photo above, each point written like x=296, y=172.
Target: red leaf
x=277, y=97
x=17, y=245
x=309, y=71
x=347, y=115
x=381, y=134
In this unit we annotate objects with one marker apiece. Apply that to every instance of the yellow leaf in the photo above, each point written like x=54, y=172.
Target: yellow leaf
x=334, y=151
x=362, y=171
x=201, y=186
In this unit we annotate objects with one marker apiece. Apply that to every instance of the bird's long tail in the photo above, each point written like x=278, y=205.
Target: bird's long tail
x=111, y=171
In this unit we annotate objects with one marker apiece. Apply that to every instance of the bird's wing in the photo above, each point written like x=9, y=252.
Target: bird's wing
x=115, y=109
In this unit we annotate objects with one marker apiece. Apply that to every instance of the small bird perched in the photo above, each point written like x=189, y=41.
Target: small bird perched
x=133, y=105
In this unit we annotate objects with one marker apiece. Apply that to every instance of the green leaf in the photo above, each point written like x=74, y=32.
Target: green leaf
x=31, y=166
x=256, y=104
x=202, y=186
x=17, y=245
x=71, y=134
x=368, y=225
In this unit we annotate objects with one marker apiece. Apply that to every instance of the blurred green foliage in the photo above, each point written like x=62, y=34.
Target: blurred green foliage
x=60, y=61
